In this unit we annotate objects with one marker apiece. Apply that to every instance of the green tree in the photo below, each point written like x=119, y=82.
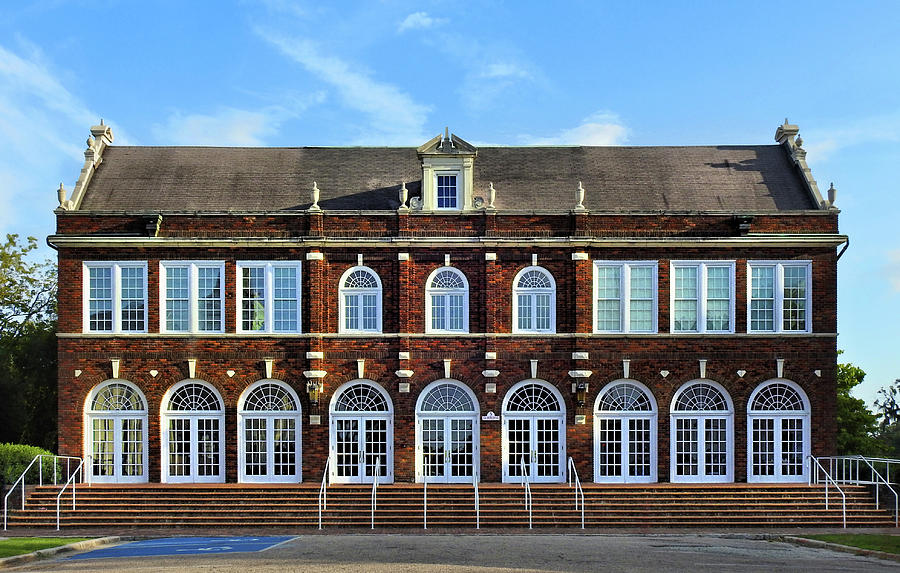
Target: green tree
x=27, y=345
x=888, y=407
x=857, y=426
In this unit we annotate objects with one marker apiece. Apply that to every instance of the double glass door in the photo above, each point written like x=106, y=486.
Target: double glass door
x=362, y=447
x=194, y=445
x=270, y=449
x=534, y=445
x=624, y=449
x=447, y=449
x=777, y=449
x=701, y=449
x=117, y=449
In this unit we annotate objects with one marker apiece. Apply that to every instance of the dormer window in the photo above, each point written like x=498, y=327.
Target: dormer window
x=447, y=191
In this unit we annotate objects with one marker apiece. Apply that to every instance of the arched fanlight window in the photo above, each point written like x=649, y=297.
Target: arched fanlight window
x=624, y=397
x=778, y=433
x=361, y=398
x=701, y=397
x=702, y=426
x=533, y=398
x=447, y=397
x=269, y=434
x=360, y=301
x=116, y=433
x=193, y=437
x=447, y=301
x=625, y=423
x=534, y=301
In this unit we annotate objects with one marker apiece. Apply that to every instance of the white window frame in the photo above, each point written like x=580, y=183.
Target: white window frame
x=269, y=295
x=193, y=295
x=625, y=294
x=778, y=321
x=458, y=206
x=194, y=416
x=116, y=267
x=516, y=291
x=702, y=268
x=379, y=307
x=447, y=416
x=270, y=416
x=533, y=416
x=702, y=416
x=117, y=416
x=626, y=416
x=778, y=416
x=386, y=474
x=429, y=292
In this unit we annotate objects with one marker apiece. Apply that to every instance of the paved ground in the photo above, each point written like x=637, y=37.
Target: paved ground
x=401, y=553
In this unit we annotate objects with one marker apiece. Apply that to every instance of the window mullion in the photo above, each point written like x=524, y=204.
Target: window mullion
x=117, y=298
x=193, y=298
x=701, y=298
x=269, y=298
x=779, y=298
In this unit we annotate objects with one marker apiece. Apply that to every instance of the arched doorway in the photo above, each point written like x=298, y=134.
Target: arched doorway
x=362, y=434
x=778, y=433
x=269, y=420
x=625, y=433
x=534, y=433
x=447, y=433
x=115, y=435
x=193, y=437
x=702, y=427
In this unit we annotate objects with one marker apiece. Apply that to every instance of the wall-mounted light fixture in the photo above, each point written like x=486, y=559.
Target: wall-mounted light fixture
x=314, y=389
x=581, y=389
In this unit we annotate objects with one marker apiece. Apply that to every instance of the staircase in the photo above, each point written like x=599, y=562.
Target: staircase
x=451, y=506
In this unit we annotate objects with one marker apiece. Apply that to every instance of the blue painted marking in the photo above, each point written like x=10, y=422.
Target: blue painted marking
x=185, y=546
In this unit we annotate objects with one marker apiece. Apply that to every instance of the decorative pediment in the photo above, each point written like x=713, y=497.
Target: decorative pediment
x=447, y=143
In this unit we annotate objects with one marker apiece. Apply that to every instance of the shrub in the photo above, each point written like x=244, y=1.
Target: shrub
x=14, y=458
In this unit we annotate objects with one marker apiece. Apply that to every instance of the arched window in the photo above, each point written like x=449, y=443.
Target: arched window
x=362, y=434
x=116, y=433
x=778, y=432
x=447, y=433
x=447, y=301
x=625, y=433
x=534, y=301
x=360, y=301
x=193, y=440
x=269, y=421
x=702, y=426
x=534, y=424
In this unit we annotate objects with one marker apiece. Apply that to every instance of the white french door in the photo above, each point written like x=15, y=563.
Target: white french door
x=447, y=449
x=625, y=449
x=701, y=450
x=777, y=449
x=271, y=449
x=535, y=442
x=193, y=450
x=358, y=444
x=118, y=449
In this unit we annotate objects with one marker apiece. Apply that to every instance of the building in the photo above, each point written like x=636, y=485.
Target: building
x=447, y=313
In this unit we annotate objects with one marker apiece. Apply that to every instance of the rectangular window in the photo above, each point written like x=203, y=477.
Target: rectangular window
x=192, y=296
x=447, y=193
x=625, y=296
x=702, y=295
x=116, y=296
x=268, y=296
x=779, y=296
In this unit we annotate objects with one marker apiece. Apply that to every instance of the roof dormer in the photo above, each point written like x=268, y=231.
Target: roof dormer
x=447, y=167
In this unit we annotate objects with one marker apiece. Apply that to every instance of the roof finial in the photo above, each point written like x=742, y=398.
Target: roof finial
x=832, y=195
x=62, y=194
x=492, y=195
x=315, y=198
x=101, y=121
x=404, y=193
x=579, y=197
x=447, y=132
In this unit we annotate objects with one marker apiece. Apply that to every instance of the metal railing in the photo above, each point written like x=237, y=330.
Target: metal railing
x=323, y=490
x=375, y=488
x=39, y=460
x=71, y=481
x=579, y=492
x=814, y=474
x=526, y=483
x=862, y=470
x=477, y=501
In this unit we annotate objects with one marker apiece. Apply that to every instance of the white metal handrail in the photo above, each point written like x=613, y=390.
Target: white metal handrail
x=573, y=479
x=323, y=490
x=375, y=488
x=39, y=459
x=477, y=501
x=72, y=481
x=847, y=469
x=526, y=483
x=828, y=478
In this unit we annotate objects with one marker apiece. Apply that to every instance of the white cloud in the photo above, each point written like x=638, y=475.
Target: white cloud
x=394, y=118
x=893, y=269
x=419, y=21
x=498, y=70
x=822, y=142
x=602, y=128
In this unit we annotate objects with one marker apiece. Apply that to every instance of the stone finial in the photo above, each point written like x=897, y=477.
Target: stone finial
x=579, y=197
x=404, y=194
x=786, y=133
x=492, y=195
x=799, y=141
x=832, y=195
x=315, y=198
x=90, y=141
x=61, y=193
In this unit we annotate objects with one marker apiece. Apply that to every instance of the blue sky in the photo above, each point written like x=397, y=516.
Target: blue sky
x=284, y=73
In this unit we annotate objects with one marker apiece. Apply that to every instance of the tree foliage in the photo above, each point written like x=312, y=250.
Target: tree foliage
x=27, y=288
x=857, y=426
x=888, y=406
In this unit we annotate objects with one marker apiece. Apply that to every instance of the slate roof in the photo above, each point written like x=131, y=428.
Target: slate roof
x=705, y=178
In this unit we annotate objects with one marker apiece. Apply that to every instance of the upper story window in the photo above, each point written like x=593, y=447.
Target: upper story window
x=116, y=295
x=192, y=296
x=447, y=191
x=625, y=296
x=534, y=301
x=360, y=301
x=268, y=296
x=779, y=296
x=702, y=296
x=447, y=301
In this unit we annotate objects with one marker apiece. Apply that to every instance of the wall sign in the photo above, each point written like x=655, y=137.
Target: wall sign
x=490, y=417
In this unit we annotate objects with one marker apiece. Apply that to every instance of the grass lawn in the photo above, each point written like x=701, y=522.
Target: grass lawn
x=886, y=543
x=20, y=545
